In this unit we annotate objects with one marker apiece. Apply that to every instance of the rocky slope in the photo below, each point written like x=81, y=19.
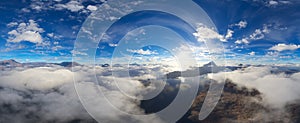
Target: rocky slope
x=242, y=105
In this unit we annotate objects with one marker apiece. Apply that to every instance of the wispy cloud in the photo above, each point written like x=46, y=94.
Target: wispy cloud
x=142, y=52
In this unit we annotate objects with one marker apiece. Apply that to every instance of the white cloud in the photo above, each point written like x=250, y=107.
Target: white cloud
x=285, y=2
x=92, y=8
x=11, y=47
x=142, y=52
x=242, y=24
x=73, y=6
x=204, y=33
x=26, y=32
x=51, y=35
x=38, y=6
x=75, y=53
x=12, y=24
x=277, y=89
x=273, y=3
x=258, y=34
x=229, y=34
x=25, y=10
x=252, y=53
x=56, y=48
x=265, y=29
x=113, y=45
x=32, y=80
x=272, y=54
x=48, y=95
x=242, y=41
x=55, y=43
x=283, y=47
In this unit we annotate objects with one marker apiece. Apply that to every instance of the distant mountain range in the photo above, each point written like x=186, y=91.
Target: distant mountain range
x=210, y=67
x=13, y=63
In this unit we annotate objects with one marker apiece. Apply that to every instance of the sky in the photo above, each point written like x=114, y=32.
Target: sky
x=251, y=31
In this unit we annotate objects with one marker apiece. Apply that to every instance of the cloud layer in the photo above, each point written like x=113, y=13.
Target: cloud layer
x=48, y=95
x=277, y=89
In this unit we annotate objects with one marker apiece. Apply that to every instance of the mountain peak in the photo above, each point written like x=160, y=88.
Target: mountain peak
x=210, y=64
x=69, y=64
x=10, y=62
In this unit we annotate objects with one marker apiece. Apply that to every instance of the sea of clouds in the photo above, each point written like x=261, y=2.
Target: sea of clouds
x=48, y=94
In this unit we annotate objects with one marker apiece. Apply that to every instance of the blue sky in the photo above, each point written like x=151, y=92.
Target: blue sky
x=251, y=31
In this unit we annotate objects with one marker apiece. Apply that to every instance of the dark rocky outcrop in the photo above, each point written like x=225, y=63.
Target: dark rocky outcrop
x=68, y=64
x=235, y=105
x=210, y=67
x=242, y=105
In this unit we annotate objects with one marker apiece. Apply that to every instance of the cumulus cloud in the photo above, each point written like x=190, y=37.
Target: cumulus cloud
x=283, y=47
x=277, y=89
x=12, y=24
x=241, y=24
x=73, y=6
x=252, y=53
x=204, y=33
x=258, y=34
x=26, y=32
x=229, y=34
x=242, y=41
x=92, y=8
x=273, y=3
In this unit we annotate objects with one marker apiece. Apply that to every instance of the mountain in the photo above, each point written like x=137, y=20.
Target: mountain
x=69, y=64
x=10, y=63
x=105, y=65
x=210, y=64
x=14, y=63
x=241, y=105
x=235, y=105
x=210, y=67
